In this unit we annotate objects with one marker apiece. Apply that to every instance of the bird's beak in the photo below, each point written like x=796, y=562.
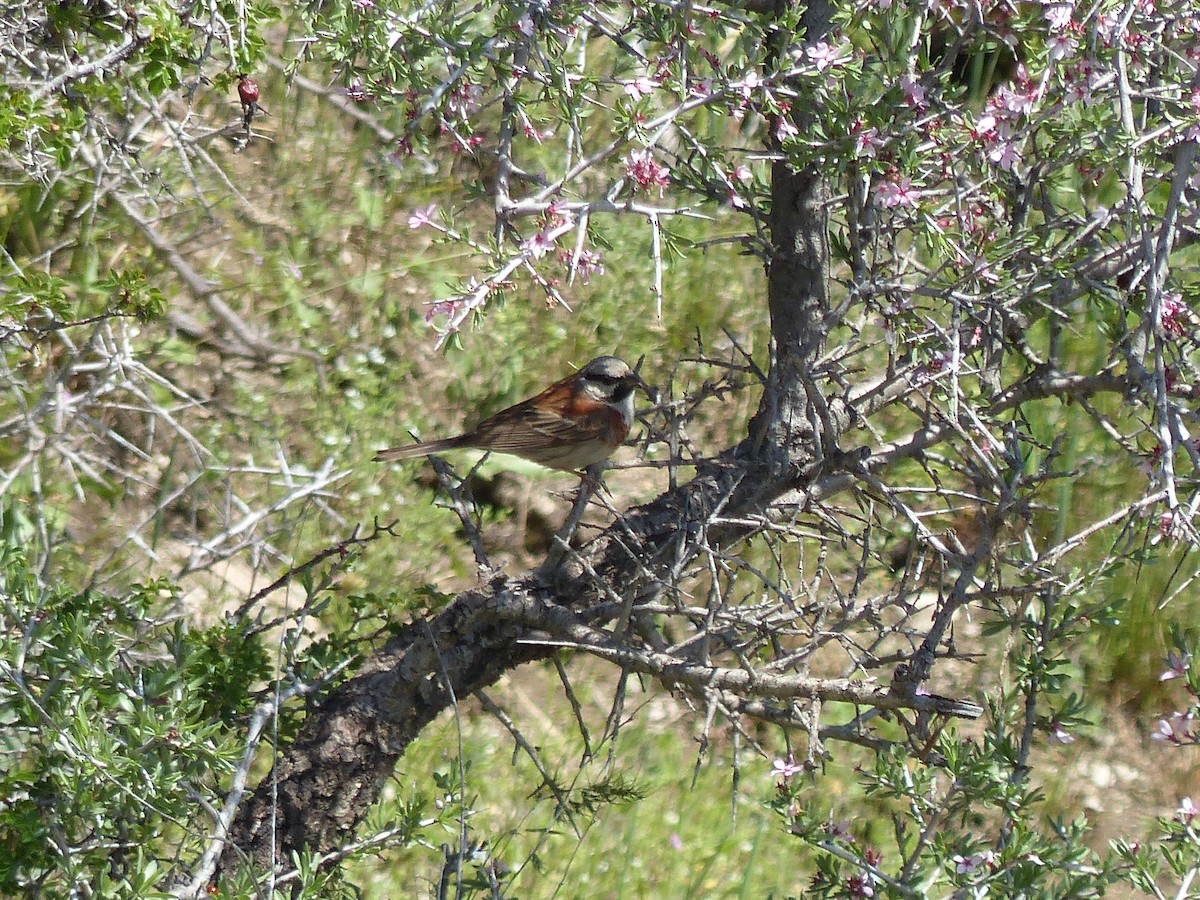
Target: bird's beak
x=637, y=381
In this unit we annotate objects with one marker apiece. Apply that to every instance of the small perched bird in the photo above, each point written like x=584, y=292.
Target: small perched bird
x=571, y=425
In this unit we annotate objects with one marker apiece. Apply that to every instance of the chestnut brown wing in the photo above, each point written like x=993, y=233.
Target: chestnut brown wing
x=530, y=430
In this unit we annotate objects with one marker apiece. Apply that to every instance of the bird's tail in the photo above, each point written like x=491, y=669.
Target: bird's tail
x=412, y=451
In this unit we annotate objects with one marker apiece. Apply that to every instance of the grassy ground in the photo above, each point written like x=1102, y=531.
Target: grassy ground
x=685, y=839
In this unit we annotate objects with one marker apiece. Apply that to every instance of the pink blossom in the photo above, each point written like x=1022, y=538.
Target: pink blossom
x=967, y=864
x=889, y=331
x=1164, y=732
x=1007, y=103
x=464, y=100
x=558, y=214
x=964, y=865
x=456, y=309
x=1180, y=727
x=1004, y=154
x=1082, y=80
x=866, y=140
x=537, y=246
x=841, y=831
x=1166, y=522
x=641, y=166
x=443, y=308
x=743, y=173
x=641, y=87
x=751, y=83
x=785, y=128
x=939, y=360
x=891, y=194
x=1171, y=313
x=586, y=265
x=534, y=134
x=985, y=127
x=859, y=886
x=823, y=56
x=1187, y=811
x=1060, y=735
x=1109, y=26
x=914, y=91
x=1177, y=664
x=1062, y=45
x=1057, y=13
x=422, y=217
x=785, y=769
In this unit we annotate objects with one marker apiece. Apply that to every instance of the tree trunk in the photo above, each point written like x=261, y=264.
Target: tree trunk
x=324, y=783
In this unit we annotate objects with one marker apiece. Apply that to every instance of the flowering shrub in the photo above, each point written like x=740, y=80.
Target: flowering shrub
x=977, y=414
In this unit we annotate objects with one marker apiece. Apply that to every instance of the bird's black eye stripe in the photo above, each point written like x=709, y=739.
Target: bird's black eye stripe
x=606, y=379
